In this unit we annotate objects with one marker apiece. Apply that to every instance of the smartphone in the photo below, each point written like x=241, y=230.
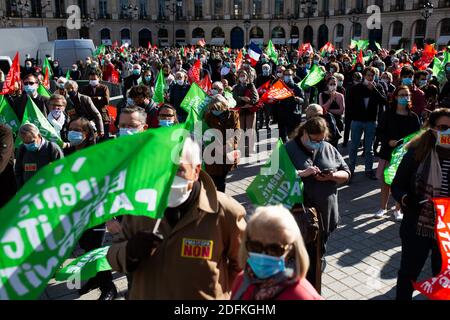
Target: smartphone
x=327, y=171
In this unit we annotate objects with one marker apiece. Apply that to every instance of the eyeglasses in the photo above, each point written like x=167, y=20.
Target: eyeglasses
x=29, y=83
x=442, y=127
x=312, y=140
x=272, y=249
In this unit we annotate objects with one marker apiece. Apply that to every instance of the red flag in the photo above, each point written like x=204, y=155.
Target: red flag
x=149, y=45
x=414, y=49
x=13, y=77
x=328, y=47
x=239, y=60
x=427, y=57
x=263, y=88
x=115, y=44
x=201, y=42
x=438, y=288
x=305, y=48
x=205, y=83
x=194, y=72
x=278, y=91
x=46, y=82
x=115, y=77
x=360, y=58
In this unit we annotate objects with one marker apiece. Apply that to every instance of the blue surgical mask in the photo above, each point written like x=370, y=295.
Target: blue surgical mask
x=314, y=145
x=33, y=147
x=265, y=73
x=265, y=266
x=30, y=89
x=359, y=69
x=316, y=61
x=136, y=72
x=166, y=123
x=423, y=83
x=407, y=81
x=308, y=66
x=288, y=79
x=403, y=101
x=127, y=131
x=75, y=138
x=148, y=78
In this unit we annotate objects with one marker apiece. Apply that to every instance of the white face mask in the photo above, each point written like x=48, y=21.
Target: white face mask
x=179, y=192
x=242, y=79
x=93, y=83
x=180, y=82
x=214, y=92
x=332, y=88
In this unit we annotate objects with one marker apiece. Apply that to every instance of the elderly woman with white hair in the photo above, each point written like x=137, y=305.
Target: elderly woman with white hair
x=274, y=259
x=34, y=153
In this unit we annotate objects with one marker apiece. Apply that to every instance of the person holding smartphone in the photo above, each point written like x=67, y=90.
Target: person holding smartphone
x=321, y=168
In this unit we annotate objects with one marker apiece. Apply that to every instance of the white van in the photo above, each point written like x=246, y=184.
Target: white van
x=67, y=52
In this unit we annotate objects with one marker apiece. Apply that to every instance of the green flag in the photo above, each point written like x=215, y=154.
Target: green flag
x=42, y=91
x=353, y=44
x=45, y=66
x=396, y=159
x=368, y=57
x=281, y=187
x=196, y=99
x=86, y=266
x=100, y=50
x=7, y=115
x=399, y=51
x=158, y=97
x=315, y=75
x=363, y=44
x=33, y=115
x=182, y=51
x=68, y=75
x=439, y=67
x=271, y=52
x=43, y=222
x=378, y=46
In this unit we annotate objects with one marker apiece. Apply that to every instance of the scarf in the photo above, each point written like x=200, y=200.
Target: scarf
x=428, y=183
x=266, y=289
x=58, y=124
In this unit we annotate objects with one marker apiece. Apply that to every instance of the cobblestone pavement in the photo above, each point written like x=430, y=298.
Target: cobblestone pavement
x=363, y=254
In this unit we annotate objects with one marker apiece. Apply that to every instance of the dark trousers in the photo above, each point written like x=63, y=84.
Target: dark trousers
x=219, y=181
x=415, y=250
x=348, y=123
x=89, y=241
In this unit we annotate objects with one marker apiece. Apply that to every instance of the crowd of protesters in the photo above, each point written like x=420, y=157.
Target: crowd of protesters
x=372, y=103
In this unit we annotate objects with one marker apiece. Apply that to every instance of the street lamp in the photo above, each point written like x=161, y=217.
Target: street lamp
x=22, y=7
x=291, y=22
x=309, y=8
x=427, y=11
x=174, y=11
x=44, y=6
x=247, y=24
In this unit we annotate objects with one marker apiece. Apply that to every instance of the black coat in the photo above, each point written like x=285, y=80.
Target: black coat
x=176, y=96
x=356, y=107
x=19, y=104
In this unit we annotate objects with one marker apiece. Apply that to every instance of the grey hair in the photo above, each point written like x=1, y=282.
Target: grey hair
x=72, y=84
x=218, y=84
x=56, y=96
x=29, y=128
x=140, y=111
x=191, y=153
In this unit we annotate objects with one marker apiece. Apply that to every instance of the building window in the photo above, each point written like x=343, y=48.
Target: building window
x=198, y=8
x=279, y=7
x=105, y=34
x=198, y=33
x=325, y=6
x=397, y=29
x=340, y=30
x=256, y=33
x=237, y=7
x=357, y=30
x=257, y=8
x=342, y=6
x=379, y=3
x=217, y=33
x=123, y=9
x=163, y=33
x=60, y=9
x=102, y=9
x=399, y=5
x=180, y=33
x=125, y=34
x=360, y=5
x=61, y=33
x=36, y=8
x=278, y=32
x=142, y=9
x=84, y=33
x=445, y=27
x=218, y=7
x=420, y=28
x=83, y=7
x=161, y=9
x=297, y=9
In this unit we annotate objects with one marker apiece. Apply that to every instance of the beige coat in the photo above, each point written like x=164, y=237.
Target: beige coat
x=198, y=258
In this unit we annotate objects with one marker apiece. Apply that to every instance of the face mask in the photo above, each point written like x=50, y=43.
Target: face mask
x=265, y=73
x=93, y=83
x=74, y=69
x=130, y=102
x=30, y=89
x=136, y=72
x=381, y=69
x=367, y=82
x=72, y=94
x=75, y=138
x=179, y=192
x=359, y=69
x=33, y=147
x=29, y=66
x=423, y=83
x=403, y=101
x=60, y=85
x=448, y=69
x=203, y=60
x=265, y=266
x=166, y=123
x=127, y=131
x=443, y=138
x=407, y=81
x=148, y=78
x=332, y=88
x=308, y=66
x=346, y=63
x=242, y=79
x=279, y=75
x=295, y=61
x=56, y=114
x=316, y=61
x=180, y=82
x=56, y=65
x=340, y=83
x=214, y=92
x=287, y=79
x=314, y=145
x=216, y=112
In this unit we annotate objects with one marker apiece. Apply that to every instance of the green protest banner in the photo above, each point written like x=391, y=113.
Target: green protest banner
x=7, y=115
x=86, y=266
x=363, y=44
x=41, y=225
x=283, y=187
x=315, y=75
x=353, y=44
x=397, y=157
x=196, y=99
x=158, y=96
x=46, y=65
x=42, y=91
x=399, y=51
x=33, y=115
x=100, y=50
x=271, y=52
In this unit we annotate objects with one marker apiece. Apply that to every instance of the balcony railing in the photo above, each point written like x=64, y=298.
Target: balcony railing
x=418, y=6
x=257, y=16
x=339, y=12
x=278, y=16
x=106, y=16
x=397, y=7
x=444, y=3
x=237, y=16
